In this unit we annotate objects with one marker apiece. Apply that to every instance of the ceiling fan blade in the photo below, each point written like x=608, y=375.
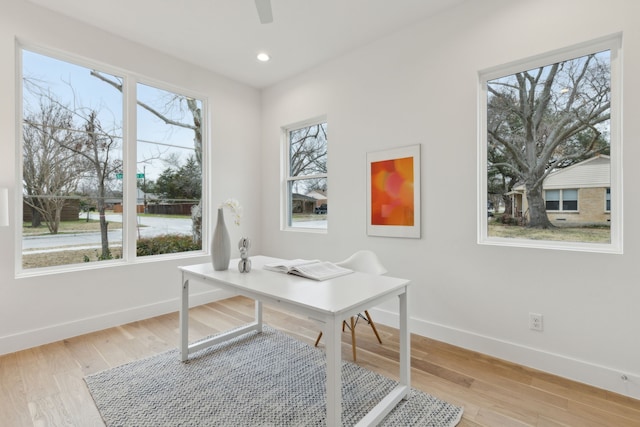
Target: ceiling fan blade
x=264, y=11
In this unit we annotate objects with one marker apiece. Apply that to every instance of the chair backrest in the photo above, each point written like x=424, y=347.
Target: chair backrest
x=364, y=261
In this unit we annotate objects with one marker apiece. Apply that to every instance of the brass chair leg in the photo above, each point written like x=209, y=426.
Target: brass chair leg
x=353, y=337
x=373, y=326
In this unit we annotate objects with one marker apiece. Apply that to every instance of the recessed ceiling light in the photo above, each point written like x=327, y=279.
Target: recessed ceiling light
x=263, y=57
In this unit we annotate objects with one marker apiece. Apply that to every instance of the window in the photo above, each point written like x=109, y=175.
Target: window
x=168, y=171
x=607, y=200
x=84, y=192
x=546, y=122
x=553, y=200
x=568, y=199
x=305, y=190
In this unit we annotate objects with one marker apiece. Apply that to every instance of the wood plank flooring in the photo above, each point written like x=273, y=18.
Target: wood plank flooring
x=44, y=386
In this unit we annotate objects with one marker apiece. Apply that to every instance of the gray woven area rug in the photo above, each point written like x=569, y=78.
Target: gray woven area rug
x=267, y=379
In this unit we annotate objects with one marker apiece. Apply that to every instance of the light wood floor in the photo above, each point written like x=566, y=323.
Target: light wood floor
x=44, y=386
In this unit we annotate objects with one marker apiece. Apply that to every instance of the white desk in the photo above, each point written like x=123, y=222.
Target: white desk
x=329, y=302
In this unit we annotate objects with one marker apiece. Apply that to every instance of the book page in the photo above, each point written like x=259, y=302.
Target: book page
x=285, y=266
x=321, y=270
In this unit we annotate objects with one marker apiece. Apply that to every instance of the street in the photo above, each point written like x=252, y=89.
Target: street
x=147, y=227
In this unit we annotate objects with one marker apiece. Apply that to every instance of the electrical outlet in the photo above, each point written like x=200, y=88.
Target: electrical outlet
x=535, y=322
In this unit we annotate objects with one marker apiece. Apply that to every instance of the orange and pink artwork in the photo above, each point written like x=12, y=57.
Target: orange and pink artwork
x=392, y=192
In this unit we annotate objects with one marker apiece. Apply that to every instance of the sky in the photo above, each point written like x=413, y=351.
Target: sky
x=74, y=86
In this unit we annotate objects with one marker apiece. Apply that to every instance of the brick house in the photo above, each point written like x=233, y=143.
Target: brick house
x=579, y=194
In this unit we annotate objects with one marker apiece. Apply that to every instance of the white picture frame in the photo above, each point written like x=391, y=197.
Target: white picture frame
x=393, y=192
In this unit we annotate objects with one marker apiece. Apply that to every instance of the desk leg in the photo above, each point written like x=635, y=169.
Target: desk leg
x=334, y=371
x=258, y=315
x=184, y=320
x=405, y=341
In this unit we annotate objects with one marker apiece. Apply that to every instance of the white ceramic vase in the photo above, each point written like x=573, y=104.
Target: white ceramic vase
x=220, y=245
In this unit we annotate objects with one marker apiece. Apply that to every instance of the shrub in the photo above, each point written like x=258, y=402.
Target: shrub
x=166, y=244
x=507, y=219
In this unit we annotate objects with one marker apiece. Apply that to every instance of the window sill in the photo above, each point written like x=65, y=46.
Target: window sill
x=94, y=265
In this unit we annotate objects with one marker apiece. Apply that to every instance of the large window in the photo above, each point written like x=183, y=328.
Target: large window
x=550, y=132
x=305, y=184
x=88, y=187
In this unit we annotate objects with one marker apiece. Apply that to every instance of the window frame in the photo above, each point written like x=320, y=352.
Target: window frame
x=612, y=43
x=285, y=192
x=205, y=224
x=129, y=155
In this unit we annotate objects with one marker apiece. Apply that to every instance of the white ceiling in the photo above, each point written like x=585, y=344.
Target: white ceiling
x=225, y=35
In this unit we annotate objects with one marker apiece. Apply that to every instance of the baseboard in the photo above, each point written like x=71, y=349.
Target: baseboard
x=574, y=369
x=37, y=337
x=624, y=383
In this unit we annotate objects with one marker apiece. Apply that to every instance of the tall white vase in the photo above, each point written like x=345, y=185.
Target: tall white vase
x=220, y=245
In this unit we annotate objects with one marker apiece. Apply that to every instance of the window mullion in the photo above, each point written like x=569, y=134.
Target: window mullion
x=129, y=182
x=305, y=177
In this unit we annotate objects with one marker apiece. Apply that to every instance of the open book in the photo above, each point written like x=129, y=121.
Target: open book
x=311, y=269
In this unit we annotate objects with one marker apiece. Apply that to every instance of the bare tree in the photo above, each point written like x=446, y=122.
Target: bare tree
x=98, y=147
x=192, y=120
x=500, y=181
x=50, y=172
x=308, y=157
x=548, y=118
x=191, y=104
x=309, y=150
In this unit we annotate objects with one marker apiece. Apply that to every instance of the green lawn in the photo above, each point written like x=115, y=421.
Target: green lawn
x=564, y=234
x=79, y=226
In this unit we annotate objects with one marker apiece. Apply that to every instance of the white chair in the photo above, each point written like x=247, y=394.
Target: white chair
x=364, y=261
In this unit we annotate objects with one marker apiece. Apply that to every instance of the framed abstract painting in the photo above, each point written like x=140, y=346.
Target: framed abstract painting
x=393, y=192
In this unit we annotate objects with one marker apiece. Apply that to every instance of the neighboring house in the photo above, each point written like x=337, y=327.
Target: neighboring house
x=320, y=196
x=70, y=211
x=578, y=194
x=302, y=204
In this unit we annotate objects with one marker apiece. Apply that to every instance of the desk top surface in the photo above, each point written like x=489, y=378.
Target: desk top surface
x=337, y=295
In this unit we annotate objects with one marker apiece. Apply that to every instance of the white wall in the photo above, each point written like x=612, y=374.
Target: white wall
x=420, y=87
x=416, y=87
x=36, y=310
